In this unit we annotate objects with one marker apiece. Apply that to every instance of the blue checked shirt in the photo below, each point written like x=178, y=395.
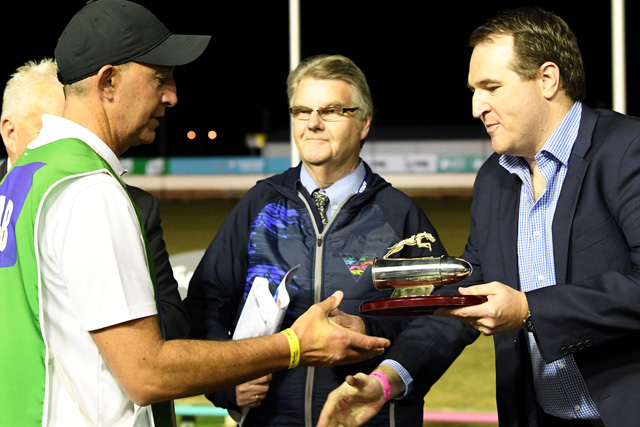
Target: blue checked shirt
x=560, y=388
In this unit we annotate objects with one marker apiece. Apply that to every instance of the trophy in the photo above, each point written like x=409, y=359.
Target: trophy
x=413, y=280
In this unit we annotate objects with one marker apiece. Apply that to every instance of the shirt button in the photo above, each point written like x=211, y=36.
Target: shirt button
x=576, y=407
x=335, y=207
x=540, y=278
x=560, y=365
x=536, y=234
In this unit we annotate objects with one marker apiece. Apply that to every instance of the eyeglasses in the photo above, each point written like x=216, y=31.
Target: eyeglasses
x=327, y=112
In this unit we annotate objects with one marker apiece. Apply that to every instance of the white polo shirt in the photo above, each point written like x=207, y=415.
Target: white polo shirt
x=94, y=275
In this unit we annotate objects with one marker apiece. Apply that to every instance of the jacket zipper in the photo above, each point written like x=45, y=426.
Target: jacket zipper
x=317, y=294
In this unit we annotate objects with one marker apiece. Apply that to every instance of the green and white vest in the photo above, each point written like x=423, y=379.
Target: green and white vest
x=24, y=356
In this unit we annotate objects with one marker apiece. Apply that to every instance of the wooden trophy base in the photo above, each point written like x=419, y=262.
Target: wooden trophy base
x=416, y=306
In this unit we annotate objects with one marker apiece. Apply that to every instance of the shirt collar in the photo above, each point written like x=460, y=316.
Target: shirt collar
x=55, y=128
x=339, y=190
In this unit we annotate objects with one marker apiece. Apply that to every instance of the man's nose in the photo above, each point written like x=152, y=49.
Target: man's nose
x=170, y=96
x=479, y=106
x=315, y=121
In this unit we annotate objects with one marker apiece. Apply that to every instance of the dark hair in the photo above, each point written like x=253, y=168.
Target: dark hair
x=538, y=37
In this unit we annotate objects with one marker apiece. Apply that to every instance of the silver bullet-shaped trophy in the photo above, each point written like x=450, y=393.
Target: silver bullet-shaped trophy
x=413, y=280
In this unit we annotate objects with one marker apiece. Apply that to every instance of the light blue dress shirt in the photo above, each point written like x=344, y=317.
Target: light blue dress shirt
x=560, y=388
x=338, y=192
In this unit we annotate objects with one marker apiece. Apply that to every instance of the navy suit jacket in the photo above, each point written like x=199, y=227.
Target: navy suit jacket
x=594, y=310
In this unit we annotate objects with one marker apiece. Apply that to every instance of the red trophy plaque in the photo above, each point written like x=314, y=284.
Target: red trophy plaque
x=413, y=280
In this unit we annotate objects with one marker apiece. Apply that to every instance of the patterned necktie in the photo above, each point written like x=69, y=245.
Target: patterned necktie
x=321, y=200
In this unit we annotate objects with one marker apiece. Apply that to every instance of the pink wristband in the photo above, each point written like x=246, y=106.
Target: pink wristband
x=385, y=384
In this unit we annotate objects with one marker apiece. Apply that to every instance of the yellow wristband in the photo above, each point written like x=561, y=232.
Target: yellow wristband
x=294, y=347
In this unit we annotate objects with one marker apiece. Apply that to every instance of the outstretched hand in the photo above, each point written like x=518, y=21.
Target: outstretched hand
x=325, y=343
x=353, y=403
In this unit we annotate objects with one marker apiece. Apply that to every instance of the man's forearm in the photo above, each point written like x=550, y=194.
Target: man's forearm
x=151, y=369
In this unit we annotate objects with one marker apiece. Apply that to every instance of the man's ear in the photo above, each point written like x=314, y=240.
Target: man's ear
x=9, y=136
x=106, y=80
x=550, y=75
x=366, y=126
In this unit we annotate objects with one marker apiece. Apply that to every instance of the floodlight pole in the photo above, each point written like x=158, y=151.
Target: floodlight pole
x=294, y=60
x=618, y=57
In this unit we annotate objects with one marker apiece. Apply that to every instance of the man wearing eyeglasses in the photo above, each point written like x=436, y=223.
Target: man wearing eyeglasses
x=332, y=215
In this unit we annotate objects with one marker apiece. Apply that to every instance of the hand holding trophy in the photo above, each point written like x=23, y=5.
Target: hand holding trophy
x=413, y=280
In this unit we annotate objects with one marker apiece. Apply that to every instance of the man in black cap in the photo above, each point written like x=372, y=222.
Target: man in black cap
x=34, y=90
x=80, y=338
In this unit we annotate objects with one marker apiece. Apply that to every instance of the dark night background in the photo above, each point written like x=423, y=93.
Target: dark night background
x=413, y=52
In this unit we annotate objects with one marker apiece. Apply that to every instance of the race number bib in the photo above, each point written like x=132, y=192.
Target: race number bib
x=13, y=193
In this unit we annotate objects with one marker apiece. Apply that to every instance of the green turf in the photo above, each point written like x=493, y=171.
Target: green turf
x=468, y=385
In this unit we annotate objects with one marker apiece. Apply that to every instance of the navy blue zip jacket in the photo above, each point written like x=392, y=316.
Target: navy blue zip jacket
x=276, y=226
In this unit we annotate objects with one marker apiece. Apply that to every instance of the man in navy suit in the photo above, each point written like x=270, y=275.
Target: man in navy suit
x=554, y=243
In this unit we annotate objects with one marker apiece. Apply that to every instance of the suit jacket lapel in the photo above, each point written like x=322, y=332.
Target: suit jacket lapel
x=508, y=208
x=568, y=199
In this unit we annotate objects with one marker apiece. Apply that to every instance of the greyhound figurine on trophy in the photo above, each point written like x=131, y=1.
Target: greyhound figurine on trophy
x=413, y=280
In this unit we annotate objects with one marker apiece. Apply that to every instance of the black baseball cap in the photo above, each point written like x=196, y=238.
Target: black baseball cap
x=118, y=31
